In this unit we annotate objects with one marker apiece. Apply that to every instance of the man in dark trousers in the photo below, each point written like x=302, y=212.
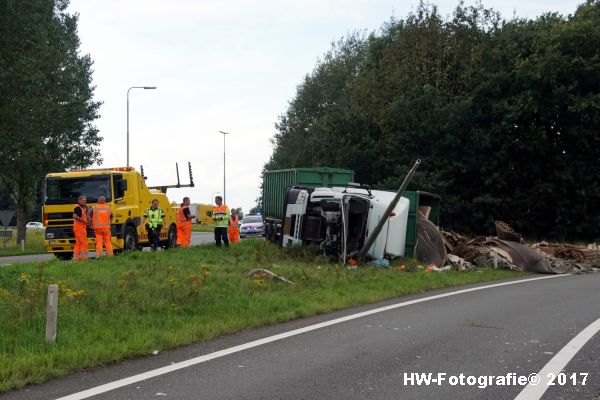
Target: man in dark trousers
x=221, y=216
x=154, y=217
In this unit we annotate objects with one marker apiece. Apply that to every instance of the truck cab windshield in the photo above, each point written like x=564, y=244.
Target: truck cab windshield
x=67, y=190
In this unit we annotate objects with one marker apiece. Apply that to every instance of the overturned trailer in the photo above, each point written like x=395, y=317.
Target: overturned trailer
x=351, y=220
x=276, y=184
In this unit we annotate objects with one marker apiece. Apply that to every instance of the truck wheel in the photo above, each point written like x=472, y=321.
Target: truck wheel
x=131, y=240
x=64, y=256
x=273, y=233
x=171, y=238
x=268, y=231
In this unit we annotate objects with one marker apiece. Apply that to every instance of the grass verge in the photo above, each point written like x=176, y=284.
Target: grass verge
x=113, y=308
x=34, y=244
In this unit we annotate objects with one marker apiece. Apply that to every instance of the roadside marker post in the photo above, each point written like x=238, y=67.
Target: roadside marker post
x=5, y=218
x=6, y=234
x=52, y=313
x=22, y=244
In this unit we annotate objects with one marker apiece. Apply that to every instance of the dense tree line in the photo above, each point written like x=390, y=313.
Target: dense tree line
x=505, y=115
x=46, y=100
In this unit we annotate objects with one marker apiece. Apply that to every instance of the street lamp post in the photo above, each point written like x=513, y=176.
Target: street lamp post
x=224, y=133
x=133, y=87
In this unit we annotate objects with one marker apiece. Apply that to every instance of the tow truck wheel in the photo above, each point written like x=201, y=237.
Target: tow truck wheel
x=131, y=241
x=171, y=237
x=64, y=256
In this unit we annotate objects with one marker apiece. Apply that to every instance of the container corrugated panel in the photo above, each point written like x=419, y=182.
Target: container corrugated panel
x=276, y=182
x=274, y=190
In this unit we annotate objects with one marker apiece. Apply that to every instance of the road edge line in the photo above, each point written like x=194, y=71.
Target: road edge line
x=559, y=362
x=259, y=342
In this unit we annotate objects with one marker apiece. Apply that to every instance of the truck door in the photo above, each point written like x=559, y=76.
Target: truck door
x=125, y=202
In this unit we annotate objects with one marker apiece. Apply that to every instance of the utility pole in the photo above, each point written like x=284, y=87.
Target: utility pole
x=133, y=87
x=224, y=175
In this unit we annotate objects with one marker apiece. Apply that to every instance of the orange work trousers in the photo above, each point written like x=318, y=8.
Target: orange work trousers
x=234, y=234
x=80, y=252
x=184, y=234
x=103, y=238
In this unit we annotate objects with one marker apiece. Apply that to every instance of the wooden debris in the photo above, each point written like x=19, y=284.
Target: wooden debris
x=505, y=232
x=262, y=273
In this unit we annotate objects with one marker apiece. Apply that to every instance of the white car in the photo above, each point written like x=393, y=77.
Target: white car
x=252, y=225
x=34, y=225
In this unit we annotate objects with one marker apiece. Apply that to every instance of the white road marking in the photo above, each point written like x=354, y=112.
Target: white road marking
x=221, y=353
x=558, y=363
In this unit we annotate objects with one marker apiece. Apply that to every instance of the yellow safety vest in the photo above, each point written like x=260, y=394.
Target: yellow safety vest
x=221, y=216
x=154, y=217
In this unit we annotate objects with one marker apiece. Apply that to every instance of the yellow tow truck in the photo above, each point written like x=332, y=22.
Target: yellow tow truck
x=127, y=195
x=204, y=214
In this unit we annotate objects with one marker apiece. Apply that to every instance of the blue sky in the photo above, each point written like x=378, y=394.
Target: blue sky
x=219, y=65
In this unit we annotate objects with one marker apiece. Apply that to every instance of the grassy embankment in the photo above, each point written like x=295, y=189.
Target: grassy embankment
x=34, y=244
x=130, y=305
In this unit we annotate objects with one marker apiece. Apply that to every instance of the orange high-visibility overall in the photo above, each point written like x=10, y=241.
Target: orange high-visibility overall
x=234, y=230
x=101, y=224
x=184, y=228
x=80, y=252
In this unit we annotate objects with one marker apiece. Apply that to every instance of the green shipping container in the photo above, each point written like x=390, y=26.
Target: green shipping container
x=276, y=182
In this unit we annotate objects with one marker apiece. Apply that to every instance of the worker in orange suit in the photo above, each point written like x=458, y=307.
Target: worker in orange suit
x=80, y=223
x=234, y=227
x=184, y=223
x=101, y=217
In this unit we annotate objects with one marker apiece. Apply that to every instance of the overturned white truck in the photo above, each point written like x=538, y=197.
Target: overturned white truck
x=353, y=221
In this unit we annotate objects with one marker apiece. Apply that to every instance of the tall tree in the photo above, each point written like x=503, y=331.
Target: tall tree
x=321, y=120
x=46, y=98
x=505, y=115
x=539, y=106
x=416, y=86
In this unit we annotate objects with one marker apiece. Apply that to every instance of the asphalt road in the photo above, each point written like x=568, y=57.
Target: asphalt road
x=197, y=239
x=515, y=328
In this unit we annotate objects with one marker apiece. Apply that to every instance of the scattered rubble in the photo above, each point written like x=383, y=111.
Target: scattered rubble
x=510, y=251
x=455, y=262
x=443, y=251
x=505, y=232
x=262, y=273
x=570, y=252
x=452, y=240
x=381, y=263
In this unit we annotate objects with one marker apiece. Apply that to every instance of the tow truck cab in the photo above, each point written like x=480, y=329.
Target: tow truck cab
x=126, y=194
